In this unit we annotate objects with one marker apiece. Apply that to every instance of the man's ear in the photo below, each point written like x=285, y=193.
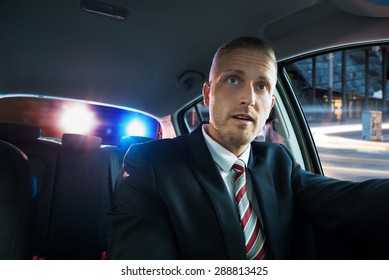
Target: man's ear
x=272, y=101
x=206, y=93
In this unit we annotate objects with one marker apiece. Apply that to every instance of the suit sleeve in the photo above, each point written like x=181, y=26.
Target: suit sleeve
x=139, y=224
x=360, y=209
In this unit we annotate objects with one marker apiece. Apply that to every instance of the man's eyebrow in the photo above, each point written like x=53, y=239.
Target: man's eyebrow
x=241, y=72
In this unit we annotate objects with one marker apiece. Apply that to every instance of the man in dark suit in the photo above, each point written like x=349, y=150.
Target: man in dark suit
x=215, y=194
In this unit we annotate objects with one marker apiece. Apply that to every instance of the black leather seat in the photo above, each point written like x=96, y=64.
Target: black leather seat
x=81, y=200
x=75, y=183
x=42, y=155
x=17, y=203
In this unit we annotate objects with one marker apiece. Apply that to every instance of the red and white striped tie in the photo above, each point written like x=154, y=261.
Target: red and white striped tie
x=254, y=236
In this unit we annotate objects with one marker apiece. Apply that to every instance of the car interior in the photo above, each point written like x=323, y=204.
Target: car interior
x=144, y=63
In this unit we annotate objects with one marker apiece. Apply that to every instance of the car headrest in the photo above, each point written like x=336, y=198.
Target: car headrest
x=127, y=141
x=18, y=133
x=79, y=142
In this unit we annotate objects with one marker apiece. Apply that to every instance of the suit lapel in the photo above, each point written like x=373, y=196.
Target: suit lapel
x=208, y=176
x=264, y=191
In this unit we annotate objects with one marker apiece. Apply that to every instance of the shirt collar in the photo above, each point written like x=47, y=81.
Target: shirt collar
x=223, y=157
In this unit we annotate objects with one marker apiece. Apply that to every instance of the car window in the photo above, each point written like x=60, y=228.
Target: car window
x=196, y=114
x=344, y=98
x=56, y=116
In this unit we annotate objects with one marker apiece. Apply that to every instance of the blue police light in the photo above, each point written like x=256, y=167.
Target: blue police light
x=136, y=127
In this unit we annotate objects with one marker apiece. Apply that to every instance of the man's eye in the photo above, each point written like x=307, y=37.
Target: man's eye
x=262, y=87
x=233, y=80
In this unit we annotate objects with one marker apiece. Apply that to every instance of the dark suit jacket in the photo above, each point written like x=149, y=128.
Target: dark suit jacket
x=174, y=205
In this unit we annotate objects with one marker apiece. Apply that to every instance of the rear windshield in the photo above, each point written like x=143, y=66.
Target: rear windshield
x=58, y=116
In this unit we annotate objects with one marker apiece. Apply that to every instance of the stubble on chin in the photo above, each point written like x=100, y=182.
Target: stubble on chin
x=236, y=138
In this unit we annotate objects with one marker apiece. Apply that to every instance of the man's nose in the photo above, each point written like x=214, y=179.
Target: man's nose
x=247, y=96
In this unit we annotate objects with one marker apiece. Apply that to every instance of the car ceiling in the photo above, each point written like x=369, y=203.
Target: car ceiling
x=56, y=48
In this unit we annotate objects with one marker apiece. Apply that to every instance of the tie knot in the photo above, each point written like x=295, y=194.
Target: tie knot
x=239, y=166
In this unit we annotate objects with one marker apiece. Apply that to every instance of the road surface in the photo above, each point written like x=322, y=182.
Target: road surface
x=345, y=155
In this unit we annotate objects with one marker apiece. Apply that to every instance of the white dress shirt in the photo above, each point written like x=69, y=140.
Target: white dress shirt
x=224, y=160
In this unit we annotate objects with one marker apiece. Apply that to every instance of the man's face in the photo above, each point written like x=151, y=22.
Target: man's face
x=239, y=97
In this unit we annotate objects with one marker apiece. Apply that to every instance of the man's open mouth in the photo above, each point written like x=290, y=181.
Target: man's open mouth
x=243, y=117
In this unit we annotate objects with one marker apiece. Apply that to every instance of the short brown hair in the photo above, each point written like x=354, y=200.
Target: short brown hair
x=251, y=43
